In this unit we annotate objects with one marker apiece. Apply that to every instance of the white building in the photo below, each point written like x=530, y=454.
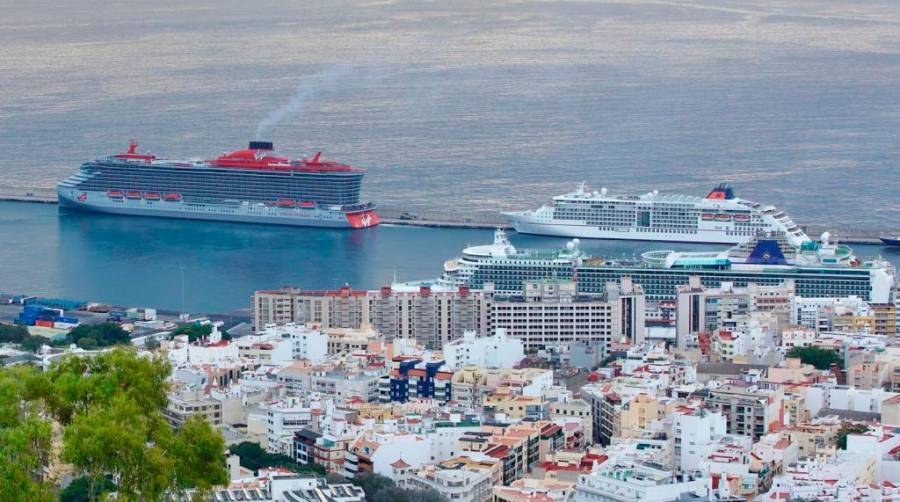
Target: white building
x=697, y=432
x=818, y=313
x=551, y=313
x=797, y=336
x=624, y=481
x=498, y=351
x=346, y=385
x=701, y=309
x=841, y=397
x=381, y=449
x=286, y=417
x=456, y=484
x=285, y=343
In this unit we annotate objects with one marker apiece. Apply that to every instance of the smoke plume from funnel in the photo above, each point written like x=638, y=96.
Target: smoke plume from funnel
x=309, y=88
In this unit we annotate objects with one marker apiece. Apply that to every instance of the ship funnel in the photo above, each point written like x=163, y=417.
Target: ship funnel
x=262, y=145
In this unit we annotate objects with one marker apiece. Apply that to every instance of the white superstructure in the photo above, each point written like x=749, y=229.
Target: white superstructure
x=720, y=217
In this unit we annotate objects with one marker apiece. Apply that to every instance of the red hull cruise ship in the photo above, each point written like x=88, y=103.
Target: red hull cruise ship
x=252, y=185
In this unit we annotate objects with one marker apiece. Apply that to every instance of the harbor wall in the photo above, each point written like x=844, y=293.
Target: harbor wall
x=397, y=215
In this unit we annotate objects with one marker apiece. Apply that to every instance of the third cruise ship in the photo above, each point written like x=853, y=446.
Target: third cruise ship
x=720, y=217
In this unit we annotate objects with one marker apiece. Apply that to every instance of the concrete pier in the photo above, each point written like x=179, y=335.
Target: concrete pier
x=394, y=215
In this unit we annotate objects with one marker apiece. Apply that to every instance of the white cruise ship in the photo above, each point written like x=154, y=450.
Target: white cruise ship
x=720, y=217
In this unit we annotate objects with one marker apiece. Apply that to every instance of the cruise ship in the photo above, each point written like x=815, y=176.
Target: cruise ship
x=720, y=217
x=819, y=269
x=253, y=185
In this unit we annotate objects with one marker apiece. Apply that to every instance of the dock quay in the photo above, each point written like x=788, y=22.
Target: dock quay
x=394, y=215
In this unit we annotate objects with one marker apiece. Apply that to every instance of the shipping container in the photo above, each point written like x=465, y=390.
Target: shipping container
x=43, y=323
x=64, y=325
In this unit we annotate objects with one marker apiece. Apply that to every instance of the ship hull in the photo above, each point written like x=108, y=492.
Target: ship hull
x=238, y=213
x=583, y=231
x=891, y=242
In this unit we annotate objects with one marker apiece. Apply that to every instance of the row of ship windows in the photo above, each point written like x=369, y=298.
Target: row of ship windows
x=225, y=179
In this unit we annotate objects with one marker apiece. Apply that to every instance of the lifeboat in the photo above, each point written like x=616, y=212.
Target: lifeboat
x=742, y=217
x=133, y=195
x=708, y=217
x=172, y=197
x=723, y=217
x=307, y=204
x=114, y=194
x=285, y=203
x=151, y=196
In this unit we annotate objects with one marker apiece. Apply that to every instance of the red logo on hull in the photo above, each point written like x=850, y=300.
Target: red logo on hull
x=364, y=219
x=82, y=197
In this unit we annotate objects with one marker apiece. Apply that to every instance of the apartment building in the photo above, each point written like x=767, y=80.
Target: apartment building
x=433, y=316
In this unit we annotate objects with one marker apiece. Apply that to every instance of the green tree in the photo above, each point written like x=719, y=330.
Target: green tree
x=33, y=343
x=820, y=358
x=846, y=430
x=379, y=488
x=76, y=384
x=253, y=457
x=109, y=406
x=79, y=490
x=197, y=450
x=86, y=343
x=25, y=440
x=193, y=331
x=12, y=333
x=151, y=344
x=120, y=441
x=104, y=335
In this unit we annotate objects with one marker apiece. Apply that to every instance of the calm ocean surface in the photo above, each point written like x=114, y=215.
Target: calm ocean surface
x=138, y=261
x=459, y=106
x=470, y=105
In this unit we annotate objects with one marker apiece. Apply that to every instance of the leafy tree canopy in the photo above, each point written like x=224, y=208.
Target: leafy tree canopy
x=83, y=489
x=820, y=358
x=253, y=457
x=846, y=430
x=108, y=408
x=92, y=336
x=193, y=331
x=379, y=488
x=13, y=333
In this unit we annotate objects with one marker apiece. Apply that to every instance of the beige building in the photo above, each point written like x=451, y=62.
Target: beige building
x=189, y=403
x=546, y=313
x=470, y=384
x=890, y=411
x=513, y=405
x=868, y=375
x=432, y=316
x=349, y=340
x=575, y=409
x=793, y=370
x=535, y=490
x=637, y=413
x=815, y=438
